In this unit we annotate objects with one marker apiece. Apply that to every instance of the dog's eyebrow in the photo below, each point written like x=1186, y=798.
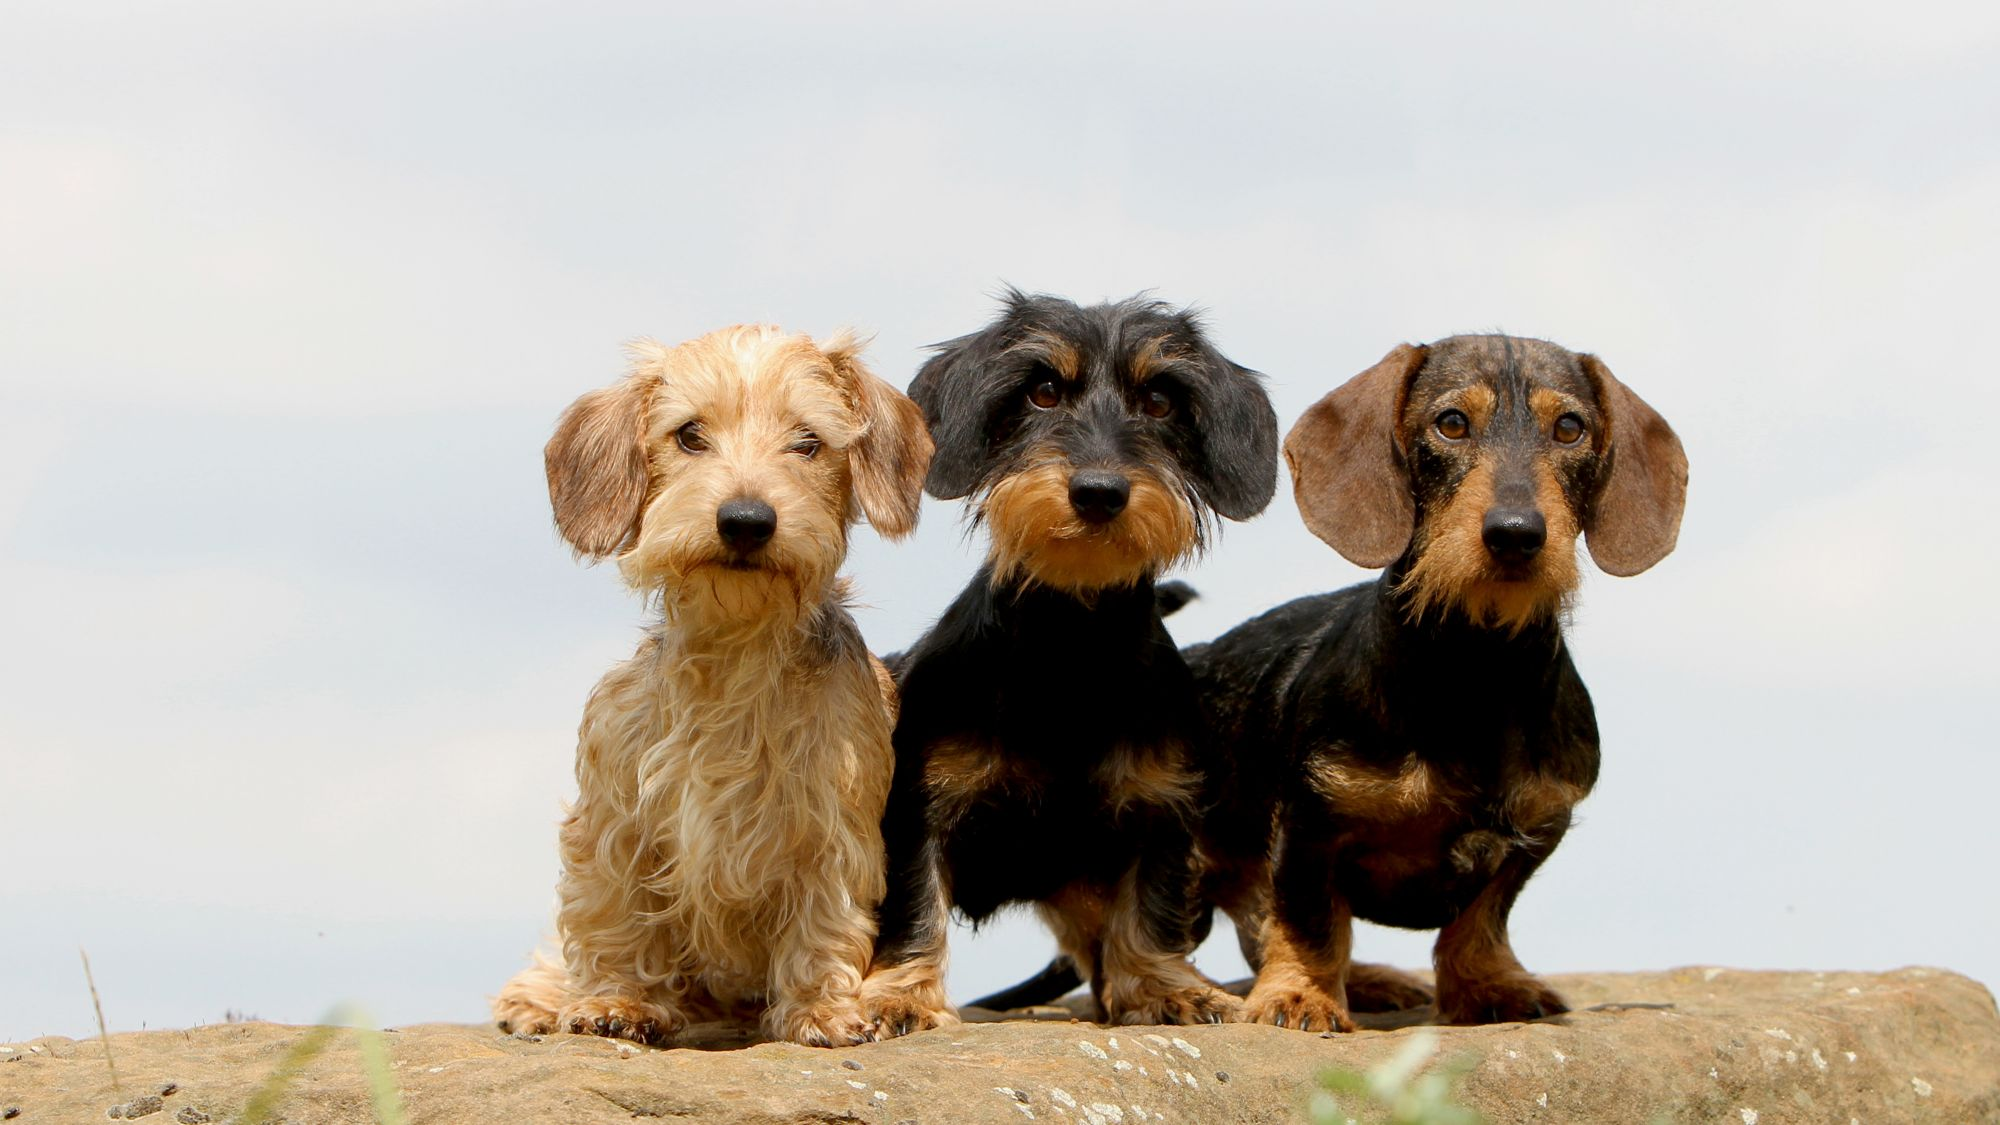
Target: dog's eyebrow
x=1154, y=355
x=1053, y=350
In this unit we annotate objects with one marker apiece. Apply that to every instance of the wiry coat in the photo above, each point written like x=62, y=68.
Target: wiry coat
x=724, y=854
x=1421, y=739
x=1049, y=750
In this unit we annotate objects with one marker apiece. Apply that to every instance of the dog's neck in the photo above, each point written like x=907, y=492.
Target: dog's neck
x=1026, y=607
x=783, y=630
x=1451, y=635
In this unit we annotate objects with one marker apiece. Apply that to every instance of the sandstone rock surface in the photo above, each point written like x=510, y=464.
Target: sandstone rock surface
x=1748, y=1048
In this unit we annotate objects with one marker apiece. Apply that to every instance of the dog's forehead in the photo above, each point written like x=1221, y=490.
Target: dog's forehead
x=1122, y=339
x=1503, y=363
x=753, y=368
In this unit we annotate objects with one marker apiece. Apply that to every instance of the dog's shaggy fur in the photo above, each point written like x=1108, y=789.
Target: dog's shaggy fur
x=724, y=856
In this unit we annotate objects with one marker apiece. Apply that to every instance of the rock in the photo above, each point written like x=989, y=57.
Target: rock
x=1687, y=1045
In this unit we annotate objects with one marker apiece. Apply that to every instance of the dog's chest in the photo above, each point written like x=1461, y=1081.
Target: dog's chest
x=1019, y=828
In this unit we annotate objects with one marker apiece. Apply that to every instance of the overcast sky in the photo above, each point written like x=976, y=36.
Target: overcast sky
x=289, y=300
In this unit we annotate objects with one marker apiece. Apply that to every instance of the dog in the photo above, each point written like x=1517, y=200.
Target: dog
x=1423, y=738
x=724, y=855
x=1049, y=749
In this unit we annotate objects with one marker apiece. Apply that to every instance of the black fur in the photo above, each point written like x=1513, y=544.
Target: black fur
x=1055, y=685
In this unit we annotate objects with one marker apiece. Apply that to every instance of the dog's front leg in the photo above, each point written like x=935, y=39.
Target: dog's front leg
x=1479, y=980
x=1308, y=941
x=1143, y=975
x=816, y=975
x=904, y=991
x=605, y=941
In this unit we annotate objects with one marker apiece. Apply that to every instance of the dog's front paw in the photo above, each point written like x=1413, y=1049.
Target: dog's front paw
x=892, y=1013
x=1191, y=1004
x=620, y=1017
x=826, y=1024
x=1513, y=998
x=1305, y=1008
x=1379, y=988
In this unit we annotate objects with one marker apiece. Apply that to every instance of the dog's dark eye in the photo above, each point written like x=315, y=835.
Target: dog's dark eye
x=1045, y=395
x=807, y=446
x=1569, y=427
x=1155, y=403
x=690, y=438
x=1452, y=425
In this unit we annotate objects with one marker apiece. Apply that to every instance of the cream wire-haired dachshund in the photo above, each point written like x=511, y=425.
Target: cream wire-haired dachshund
x=724, y=856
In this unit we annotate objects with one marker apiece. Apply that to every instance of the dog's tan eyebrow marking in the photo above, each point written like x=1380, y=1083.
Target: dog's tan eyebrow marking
x=1547, y=403
x=1152, y=356
x=1057, y=352
x=1476, y=400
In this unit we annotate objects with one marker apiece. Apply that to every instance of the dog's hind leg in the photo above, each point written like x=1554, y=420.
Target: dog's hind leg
x=528, y=1004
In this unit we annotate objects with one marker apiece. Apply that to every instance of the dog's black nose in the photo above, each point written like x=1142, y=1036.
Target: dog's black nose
x=745, y=524
x=1098, y=496
x=1514, y=534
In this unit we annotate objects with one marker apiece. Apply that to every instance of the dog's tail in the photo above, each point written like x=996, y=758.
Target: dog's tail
x=1057, y=980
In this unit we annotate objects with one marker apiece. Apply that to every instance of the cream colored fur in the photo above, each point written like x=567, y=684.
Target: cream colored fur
x=724, y=855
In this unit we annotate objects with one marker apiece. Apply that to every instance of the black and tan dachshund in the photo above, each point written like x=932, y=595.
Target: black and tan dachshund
x=1423, y=738
x=1050, y=749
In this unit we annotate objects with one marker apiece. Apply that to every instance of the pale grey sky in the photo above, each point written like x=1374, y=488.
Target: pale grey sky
x=289, y=298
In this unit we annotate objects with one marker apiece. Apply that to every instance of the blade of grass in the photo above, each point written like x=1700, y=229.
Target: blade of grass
x=261, y=1103
x=102, y=1032
x=381, y=1077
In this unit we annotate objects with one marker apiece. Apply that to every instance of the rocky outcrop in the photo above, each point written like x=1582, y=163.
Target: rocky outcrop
x=1683, y=1046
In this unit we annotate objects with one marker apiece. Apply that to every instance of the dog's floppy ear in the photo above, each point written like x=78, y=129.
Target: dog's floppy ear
x=955, y=402
x=1238, y=432
x=596, y=464
x=1637, y=514
x=1346, y=458
x=889, y=459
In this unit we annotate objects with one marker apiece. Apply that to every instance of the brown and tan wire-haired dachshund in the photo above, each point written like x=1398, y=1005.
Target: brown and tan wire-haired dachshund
x=1422, y=738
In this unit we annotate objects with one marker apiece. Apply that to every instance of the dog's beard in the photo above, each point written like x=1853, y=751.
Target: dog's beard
x=1037, y=535
x=701, y=586
x=1454, y=570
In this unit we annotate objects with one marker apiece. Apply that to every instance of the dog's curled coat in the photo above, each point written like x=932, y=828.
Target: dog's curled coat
x=724, y=854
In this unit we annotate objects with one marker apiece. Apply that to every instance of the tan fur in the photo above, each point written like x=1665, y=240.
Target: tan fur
x=1477, y=401
x=1300, y=985
x=1058, y=353
x=1477, y=972
x=724, y=853
x=1149, y=357
x=1536, y=801
x=1355, y=792
x=1453, y=567
x=1138, y=982
x=909, y=995
x=1152, y=778
x=1036, y=533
